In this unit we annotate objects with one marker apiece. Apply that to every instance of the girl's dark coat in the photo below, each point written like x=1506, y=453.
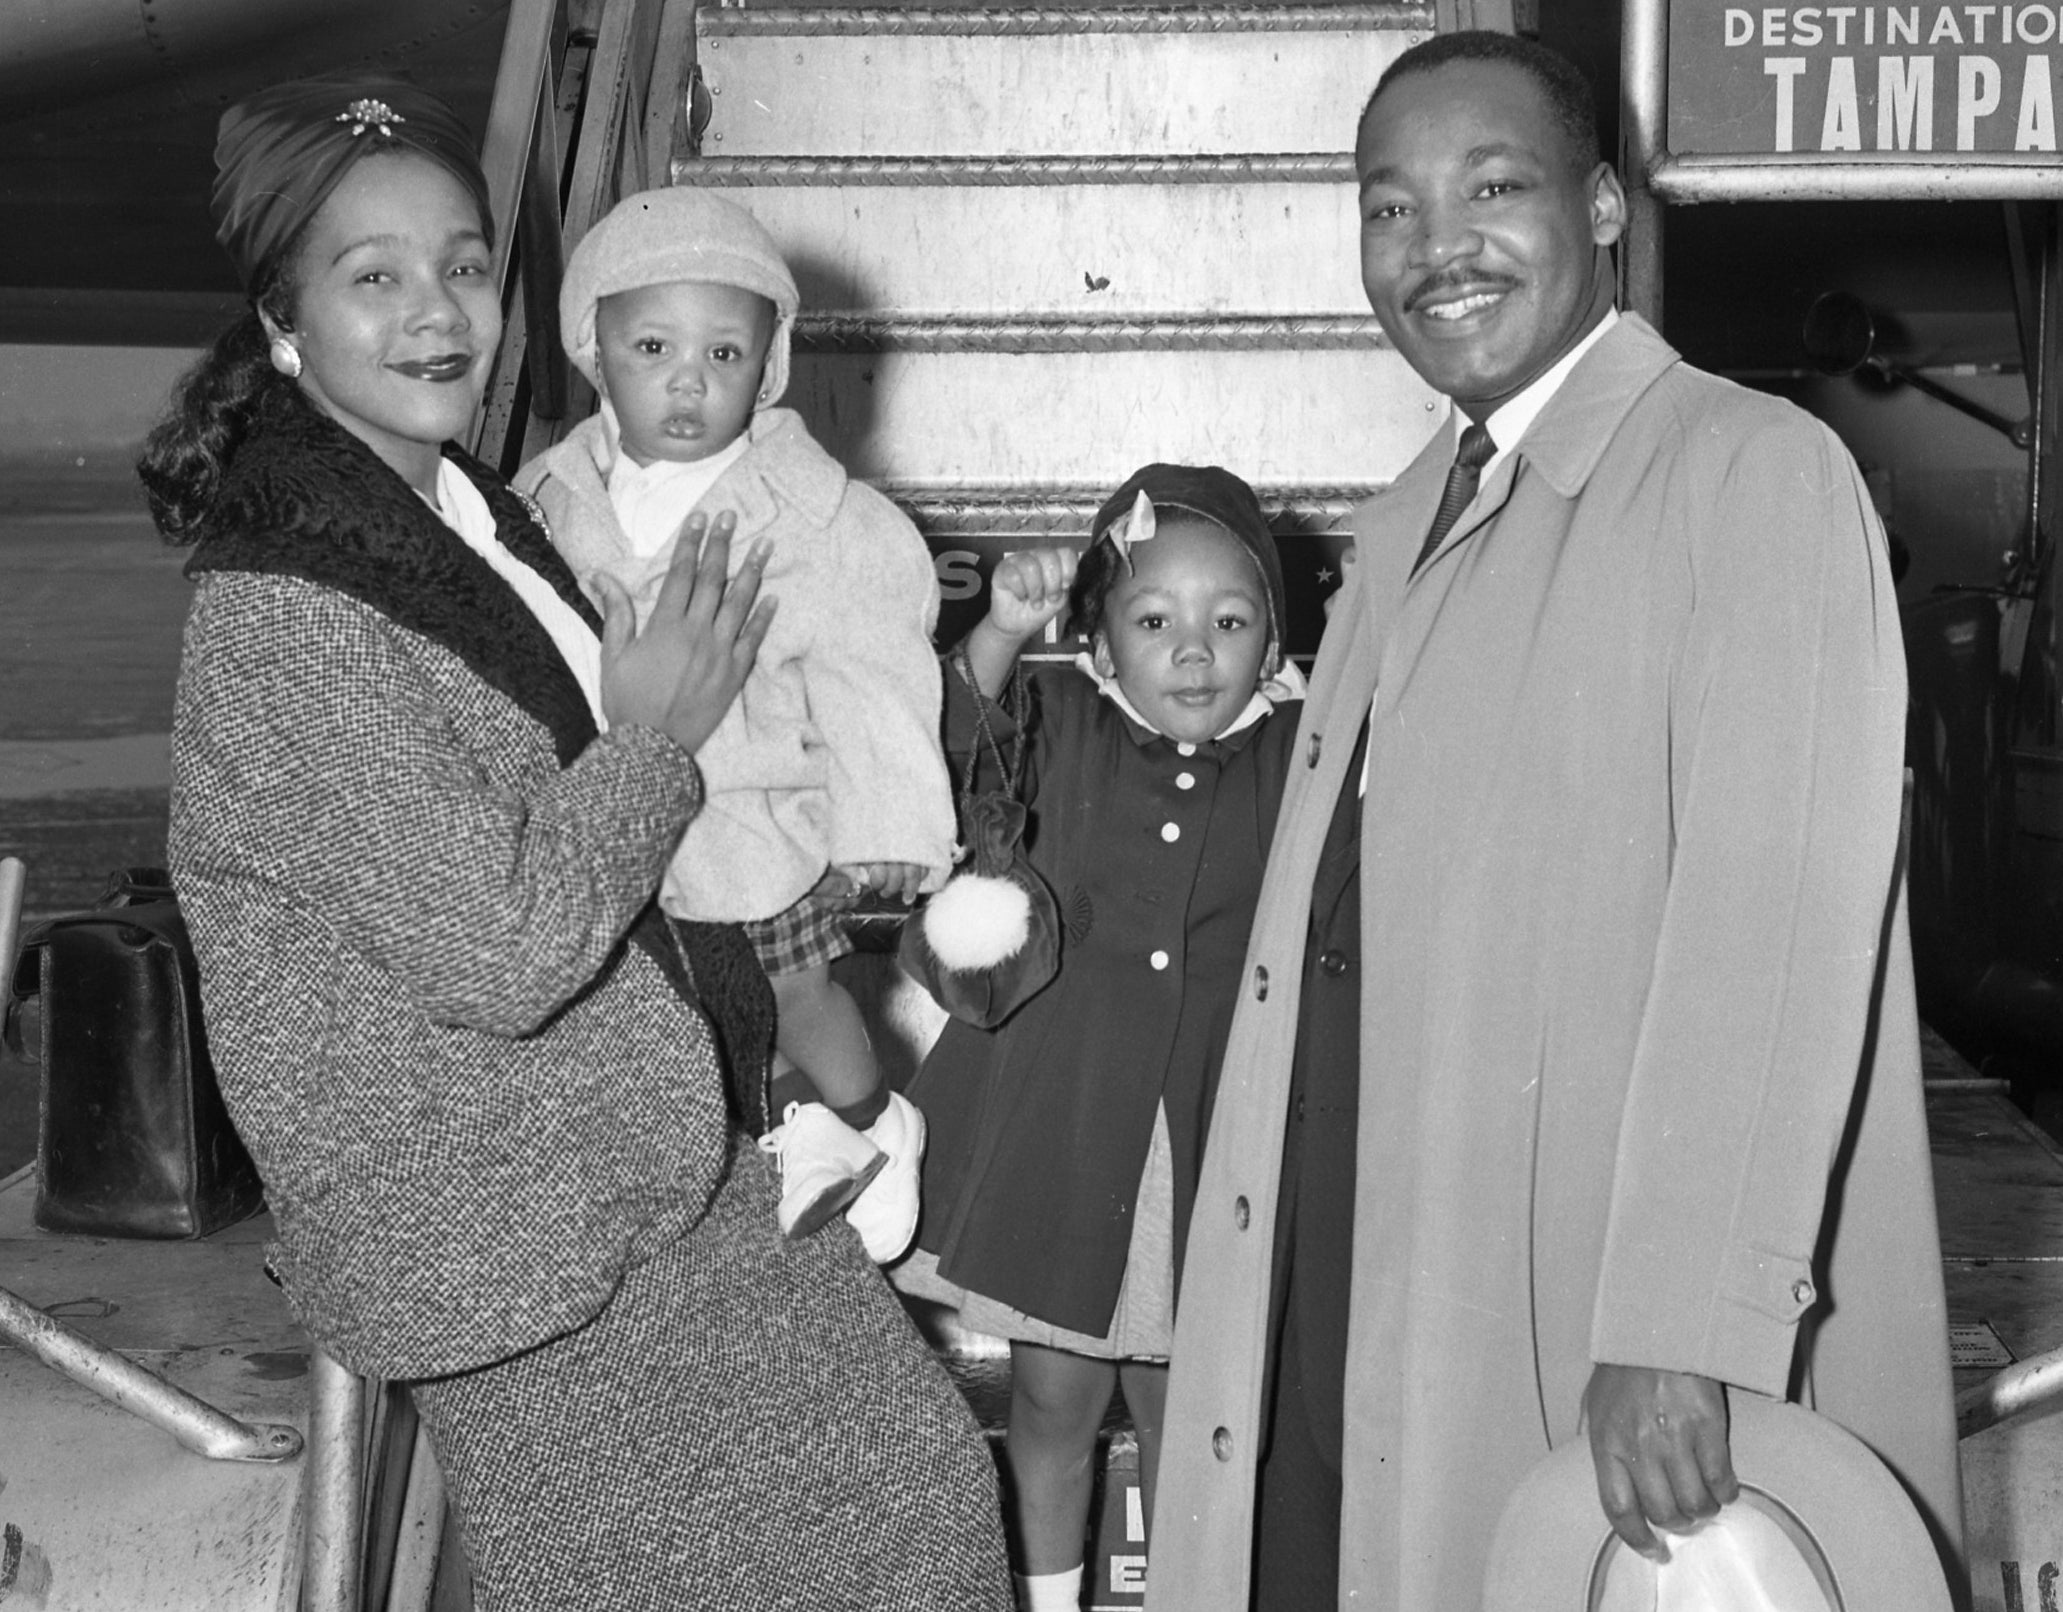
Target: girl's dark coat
x=1039, y=1129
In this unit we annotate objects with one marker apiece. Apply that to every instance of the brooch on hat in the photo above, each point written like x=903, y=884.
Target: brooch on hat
x=1137, y=526
x=367, y=113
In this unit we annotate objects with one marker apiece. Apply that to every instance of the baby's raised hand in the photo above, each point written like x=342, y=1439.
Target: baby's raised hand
x=894, y=881
x=1029, y=588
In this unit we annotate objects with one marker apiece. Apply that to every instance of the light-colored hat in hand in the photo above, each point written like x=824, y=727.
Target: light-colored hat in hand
x=678, y=233
x=1821, y=1525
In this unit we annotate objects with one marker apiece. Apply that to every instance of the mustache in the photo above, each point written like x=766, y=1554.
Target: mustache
x=1457, y=280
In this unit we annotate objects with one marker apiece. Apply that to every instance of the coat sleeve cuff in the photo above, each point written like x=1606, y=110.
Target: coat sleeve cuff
x=643, y=782
x=1745, y=1332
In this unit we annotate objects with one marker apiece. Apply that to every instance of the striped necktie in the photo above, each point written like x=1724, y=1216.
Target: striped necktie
x=1469, y=459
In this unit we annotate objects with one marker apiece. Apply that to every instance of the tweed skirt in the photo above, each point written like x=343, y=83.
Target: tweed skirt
x=810, y=933
x=751, y=1424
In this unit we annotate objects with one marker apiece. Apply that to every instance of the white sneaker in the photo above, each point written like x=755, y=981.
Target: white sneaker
x=885, y=1214
x=825, y=1165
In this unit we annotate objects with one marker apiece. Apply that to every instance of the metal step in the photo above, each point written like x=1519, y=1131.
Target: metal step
x=1173, y=333
x=1272, y=248
x=1338, y=417
x=878, y=82
x=1077, y=168
x=1025, y=515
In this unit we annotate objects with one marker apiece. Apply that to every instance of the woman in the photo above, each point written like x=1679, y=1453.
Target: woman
x=463, y=1047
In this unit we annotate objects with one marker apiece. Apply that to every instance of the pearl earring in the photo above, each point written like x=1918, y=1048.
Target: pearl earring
x=286, y=357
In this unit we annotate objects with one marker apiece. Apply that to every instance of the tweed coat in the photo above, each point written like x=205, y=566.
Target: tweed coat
x=1639, y=1065
x=831, y=754
x=489, y=1114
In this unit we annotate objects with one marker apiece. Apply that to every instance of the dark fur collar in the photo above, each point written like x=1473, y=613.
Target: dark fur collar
x=305, y=498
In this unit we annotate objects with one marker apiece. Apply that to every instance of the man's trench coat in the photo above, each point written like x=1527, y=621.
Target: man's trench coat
x=1629, y=856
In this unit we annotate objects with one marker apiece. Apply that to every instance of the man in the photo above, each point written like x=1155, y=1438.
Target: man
x=1592, y=919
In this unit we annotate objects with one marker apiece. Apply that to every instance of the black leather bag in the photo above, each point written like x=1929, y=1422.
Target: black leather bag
x=134, y=1140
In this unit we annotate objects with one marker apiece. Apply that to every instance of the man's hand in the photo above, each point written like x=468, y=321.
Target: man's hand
x=1659, y=1439
x=681, y=673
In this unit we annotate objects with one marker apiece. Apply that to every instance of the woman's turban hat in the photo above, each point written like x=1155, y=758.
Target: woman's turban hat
x=279, y=154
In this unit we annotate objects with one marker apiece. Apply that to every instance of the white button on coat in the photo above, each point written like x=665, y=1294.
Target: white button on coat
x=1159, y=960
x=1185, y=780
x=1171, y=832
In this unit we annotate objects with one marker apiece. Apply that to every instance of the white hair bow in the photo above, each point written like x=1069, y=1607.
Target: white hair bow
x=1137, y=526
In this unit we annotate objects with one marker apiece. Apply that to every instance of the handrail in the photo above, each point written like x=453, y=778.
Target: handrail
x=14, y=878
x=333, y=1540
x=609, y=160
x=2023, y=1386
x=195, y=1423
x=519, y=91
x=620, y=142
x=520, y=159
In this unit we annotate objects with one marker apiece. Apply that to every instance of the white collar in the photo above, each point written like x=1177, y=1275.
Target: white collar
x=1286, y=684
x=460, y=505
x=1509, y=424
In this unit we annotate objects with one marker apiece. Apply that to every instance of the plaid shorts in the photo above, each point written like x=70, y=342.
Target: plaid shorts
x=807, y=934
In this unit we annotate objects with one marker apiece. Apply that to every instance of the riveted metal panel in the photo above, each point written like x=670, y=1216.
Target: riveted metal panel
x=1330, y=418
x=1057, y=94
x=1083, y=252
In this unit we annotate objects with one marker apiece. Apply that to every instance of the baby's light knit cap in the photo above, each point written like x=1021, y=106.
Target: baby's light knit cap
x=676, y=233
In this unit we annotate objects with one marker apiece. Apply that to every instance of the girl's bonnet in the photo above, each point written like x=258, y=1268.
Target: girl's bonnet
x=1130, y=514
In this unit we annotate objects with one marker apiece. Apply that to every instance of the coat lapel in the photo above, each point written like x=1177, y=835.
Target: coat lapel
x=1563, y=445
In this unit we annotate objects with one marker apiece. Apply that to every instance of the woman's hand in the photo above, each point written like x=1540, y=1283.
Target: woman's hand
x=681, y=673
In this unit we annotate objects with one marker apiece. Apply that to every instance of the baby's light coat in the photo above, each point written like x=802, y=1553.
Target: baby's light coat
x=831, y=755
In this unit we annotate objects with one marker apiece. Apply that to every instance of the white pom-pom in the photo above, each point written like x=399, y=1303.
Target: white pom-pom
x=976, y=922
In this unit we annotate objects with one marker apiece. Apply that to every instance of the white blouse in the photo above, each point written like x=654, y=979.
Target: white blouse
x=465, y=511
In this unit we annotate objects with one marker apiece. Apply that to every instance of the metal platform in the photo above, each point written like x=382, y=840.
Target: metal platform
x=99, y=1509
x=1999, y=1182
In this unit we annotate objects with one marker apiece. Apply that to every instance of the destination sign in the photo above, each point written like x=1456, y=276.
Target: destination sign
x=1863, y=82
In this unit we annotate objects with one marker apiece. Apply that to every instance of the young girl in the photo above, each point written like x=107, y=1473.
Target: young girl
x=1065, y=1143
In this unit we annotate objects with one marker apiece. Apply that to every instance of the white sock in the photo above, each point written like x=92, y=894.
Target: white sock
x=1049, y=1592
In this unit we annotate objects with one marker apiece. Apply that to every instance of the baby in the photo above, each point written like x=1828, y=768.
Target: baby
x=826, y=778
